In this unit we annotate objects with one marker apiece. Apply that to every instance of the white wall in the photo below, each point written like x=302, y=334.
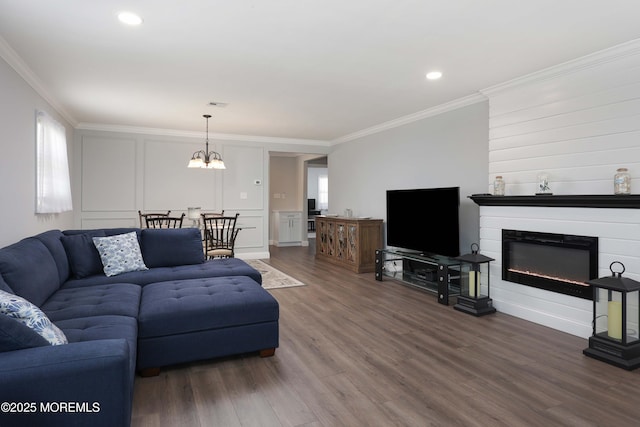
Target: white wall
x=445, y=150
x=123, y=172
x=578, y=122
x=18, y=106
x=285, y=182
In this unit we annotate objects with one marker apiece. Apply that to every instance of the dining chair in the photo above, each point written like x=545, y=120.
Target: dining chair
x=163, y=221
x=220, y=234
x=144, y=216
x=212, y=214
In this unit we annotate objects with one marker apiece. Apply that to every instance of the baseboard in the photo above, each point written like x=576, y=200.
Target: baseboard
x=253, y=255
x=570, y=326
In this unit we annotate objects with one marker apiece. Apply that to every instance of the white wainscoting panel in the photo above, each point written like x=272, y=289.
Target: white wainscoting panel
x=244, y=165
x=108, y=174
x=170, y=185
x=251, y=235
x=91, y=223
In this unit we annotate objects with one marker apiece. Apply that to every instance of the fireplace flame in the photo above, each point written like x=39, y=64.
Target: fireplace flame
x=544, y=276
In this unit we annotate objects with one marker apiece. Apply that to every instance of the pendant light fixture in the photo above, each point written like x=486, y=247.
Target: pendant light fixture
x=206, y=159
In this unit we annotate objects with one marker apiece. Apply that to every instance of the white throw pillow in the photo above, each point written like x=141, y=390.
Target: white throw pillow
x=28, y=314
x=120, y=253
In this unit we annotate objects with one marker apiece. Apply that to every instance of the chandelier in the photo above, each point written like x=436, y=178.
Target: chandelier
x=206, y=159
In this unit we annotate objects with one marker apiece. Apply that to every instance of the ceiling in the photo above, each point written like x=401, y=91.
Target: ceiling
x=305, y=69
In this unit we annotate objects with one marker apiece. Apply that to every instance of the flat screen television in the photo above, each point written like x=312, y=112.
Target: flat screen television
x=425, y=220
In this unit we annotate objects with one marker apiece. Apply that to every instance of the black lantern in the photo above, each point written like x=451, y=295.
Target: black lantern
x=616, y=319
x=474, y=283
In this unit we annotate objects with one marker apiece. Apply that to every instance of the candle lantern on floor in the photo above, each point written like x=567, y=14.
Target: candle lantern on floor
x=474, y=283
x=616, y=319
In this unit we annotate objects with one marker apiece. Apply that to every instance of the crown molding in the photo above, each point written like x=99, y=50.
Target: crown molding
x=191, y=134
x=420, y=115
x=591, y=60
x=23, y=70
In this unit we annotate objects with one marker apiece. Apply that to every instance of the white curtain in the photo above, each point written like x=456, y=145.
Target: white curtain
x=323, y=192
x=53, y=185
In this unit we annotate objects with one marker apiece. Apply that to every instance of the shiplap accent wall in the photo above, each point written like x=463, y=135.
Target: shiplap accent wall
x=578, y=122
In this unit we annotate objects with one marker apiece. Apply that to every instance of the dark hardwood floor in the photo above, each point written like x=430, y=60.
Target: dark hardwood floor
x=356, y=352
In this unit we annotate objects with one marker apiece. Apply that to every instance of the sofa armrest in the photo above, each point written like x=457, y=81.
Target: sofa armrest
x=77, y=384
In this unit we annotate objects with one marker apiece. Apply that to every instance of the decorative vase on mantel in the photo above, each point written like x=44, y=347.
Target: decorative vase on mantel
x=498, y=186
x=543, y=185
x=622, y=182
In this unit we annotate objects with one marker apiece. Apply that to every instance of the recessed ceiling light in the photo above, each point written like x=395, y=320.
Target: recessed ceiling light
x=129, y=18
x=434, y=75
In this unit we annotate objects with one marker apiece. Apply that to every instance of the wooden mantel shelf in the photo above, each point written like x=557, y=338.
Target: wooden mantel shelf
x=631, y=201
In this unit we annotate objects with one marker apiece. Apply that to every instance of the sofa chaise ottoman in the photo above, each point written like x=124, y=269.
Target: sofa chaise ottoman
x=186, y=320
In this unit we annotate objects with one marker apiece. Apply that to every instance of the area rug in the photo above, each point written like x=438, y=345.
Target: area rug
x=273, y=278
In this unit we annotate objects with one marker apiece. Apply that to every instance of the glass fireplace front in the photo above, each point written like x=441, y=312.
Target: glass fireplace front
x=554, y=262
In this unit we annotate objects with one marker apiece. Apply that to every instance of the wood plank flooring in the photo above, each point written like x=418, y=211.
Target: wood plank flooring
x=357, y=352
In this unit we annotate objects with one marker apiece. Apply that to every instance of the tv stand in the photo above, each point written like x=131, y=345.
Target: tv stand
x=348, y=242
x=430, y=272
x=419, y=254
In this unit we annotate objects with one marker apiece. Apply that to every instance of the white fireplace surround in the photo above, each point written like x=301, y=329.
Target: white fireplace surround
x=577, y=122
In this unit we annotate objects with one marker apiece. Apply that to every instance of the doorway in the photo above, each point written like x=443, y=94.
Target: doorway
x=290, y=178
x=317, y=192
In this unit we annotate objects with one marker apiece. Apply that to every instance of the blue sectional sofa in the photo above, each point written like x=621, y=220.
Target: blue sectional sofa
x=173, y=307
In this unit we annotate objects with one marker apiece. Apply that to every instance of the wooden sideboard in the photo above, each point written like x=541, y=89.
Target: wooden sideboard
x=349, y=242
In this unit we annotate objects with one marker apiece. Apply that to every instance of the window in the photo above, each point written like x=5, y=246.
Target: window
x=53, y=185
x=323, y=192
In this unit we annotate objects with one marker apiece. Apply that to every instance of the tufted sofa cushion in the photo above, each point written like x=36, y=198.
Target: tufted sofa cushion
x=103, y=328
x=121, y=299
x=30, y=270
x=52, y=240
x=106, y=231
x=15, y=335
x=100, y=328
x=84, y=258
x=168, y=247
x=211, y=268
x=182, y=306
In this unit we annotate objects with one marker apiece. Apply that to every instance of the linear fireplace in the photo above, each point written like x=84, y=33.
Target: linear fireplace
x=555, y=262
